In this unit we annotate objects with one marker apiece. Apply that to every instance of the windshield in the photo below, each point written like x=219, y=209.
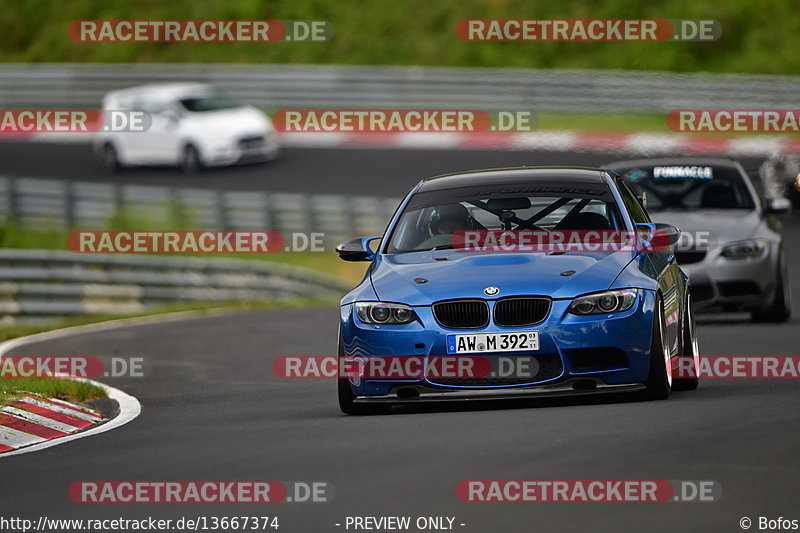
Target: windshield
x=432, y=218
x=213, y=102
x=689, y=187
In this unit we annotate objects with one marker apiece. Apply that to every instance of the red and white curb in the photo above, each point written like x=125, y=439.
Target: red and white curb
x=645, y=144
x=35, y=423
x=32, y=419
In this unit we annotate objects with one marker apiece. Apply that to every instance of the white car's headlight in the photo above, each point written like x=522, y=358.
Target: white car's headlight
x=384, y=313
x=603, y=302
x=743, y=249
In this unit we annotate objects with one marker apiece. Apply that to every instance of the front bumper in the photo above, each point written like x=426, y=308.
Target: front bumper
x=609, y=350
x=733, y=284
x=238, y=153
x=570, y=387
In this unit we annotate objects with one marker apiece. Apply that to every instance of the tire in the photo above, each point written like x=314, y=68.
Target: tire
x=347, y=399
x=659, y=379
x=109, y=159
x=781, y=308
x=190, y=161
x=689, y=349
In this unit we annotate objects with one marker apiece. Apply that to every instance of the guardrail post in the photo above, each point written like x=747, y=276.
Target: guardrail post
x=269, y=222
x=350, y=208
x=221, y=211
x=11, y=199
x=313, y=215
x=69, y=206
x=119, y=200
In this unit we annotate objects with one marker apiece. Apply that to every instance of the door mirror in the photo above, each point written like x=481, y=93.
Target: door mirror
x=778, y=206
x=356, y=249
x=659, y=236
x=668, y=232
x=171, y=116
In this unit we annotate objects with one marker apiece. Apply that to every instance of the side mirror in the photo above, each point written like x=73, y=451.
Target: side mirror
x=669, y=232
x=171, y=116
x=658, y=236
x=778, y=206
x=643, y=199
x=356, y=249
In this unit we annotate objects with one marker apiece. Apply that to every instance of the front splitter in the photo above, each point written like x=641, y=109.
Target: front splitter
x=461, y=395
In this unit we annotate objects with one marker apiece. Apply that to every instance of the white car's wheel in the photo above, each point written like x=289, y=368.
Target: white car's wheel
x=109, y=158
x=190, y=160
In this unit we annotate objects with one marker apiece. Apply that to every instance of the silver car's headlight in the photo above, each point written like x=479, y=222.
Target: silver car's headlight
x=603, y=302
x=384, y=313
x=743, y=249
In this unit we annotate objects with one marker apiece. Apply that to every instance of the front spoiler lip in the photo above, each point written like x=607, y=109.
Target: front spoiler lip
x=427, y=394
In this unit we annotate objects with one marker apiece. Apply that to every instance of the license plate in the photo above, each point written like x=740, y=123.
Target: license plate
x=519, y=341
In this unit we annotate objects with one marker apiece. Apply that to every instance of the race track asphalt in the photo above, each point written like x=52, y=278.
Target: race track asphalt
x=366, y=171
x=214, y=410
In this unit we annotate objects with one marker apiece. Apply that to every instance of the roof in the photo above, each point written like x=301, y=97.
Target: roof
x=674, y=161
x=163, y=89
x=516, y=175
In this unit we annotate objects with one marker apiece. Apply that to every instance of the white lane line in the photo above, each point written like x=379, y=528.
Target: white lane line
x=39, y=419
x=60, y=409
x=15, y=438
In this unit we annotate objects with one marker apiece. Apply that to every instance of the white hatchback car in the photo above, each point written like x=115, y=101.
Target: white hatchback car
x=191, y=126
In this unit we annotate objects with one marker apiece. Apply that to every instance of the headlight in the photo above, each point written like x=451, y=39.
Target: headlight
x=742, y=249
x=603, y=302
x=384, y=313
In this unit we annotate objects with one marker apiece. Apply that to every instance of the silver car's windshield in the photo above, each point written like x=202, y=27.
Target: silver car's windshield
x=690, y=187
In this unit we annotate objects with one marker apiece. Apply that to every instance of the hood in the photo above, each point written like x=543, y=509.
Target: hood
x=721, y=225
x=229, y=122
x=453, y=274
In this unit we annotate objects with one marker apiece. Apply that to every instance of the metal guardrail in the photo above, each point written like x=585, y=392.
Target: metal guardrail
x=48, y=282
x=84, y=205
x=56, y=86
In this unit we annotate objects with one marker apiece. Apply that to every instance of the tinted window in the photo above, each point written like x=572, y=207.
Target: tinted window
x=637, y=212
x=201, y=104
x=431, y=218
x=677, y=187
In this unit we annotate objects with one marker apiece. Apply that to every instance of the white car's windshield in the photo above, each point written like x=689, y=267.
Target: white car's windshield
x=200, y=104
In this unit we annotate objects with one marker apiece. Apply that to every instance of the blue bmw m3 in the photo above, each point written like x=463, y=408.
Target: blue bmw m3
x=452, y=281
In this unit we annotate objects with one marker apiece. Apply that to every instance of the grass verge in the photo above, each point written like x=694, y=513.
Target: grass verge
x=63, y=389
x=758, y=37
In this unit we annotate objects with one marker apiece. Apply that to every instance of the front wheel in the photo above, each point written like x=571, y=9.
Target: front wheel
x=190, y=161
x=109, y=159
x=659, y=380
x=781, y=308
x=347, y=402
x=689, y=359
